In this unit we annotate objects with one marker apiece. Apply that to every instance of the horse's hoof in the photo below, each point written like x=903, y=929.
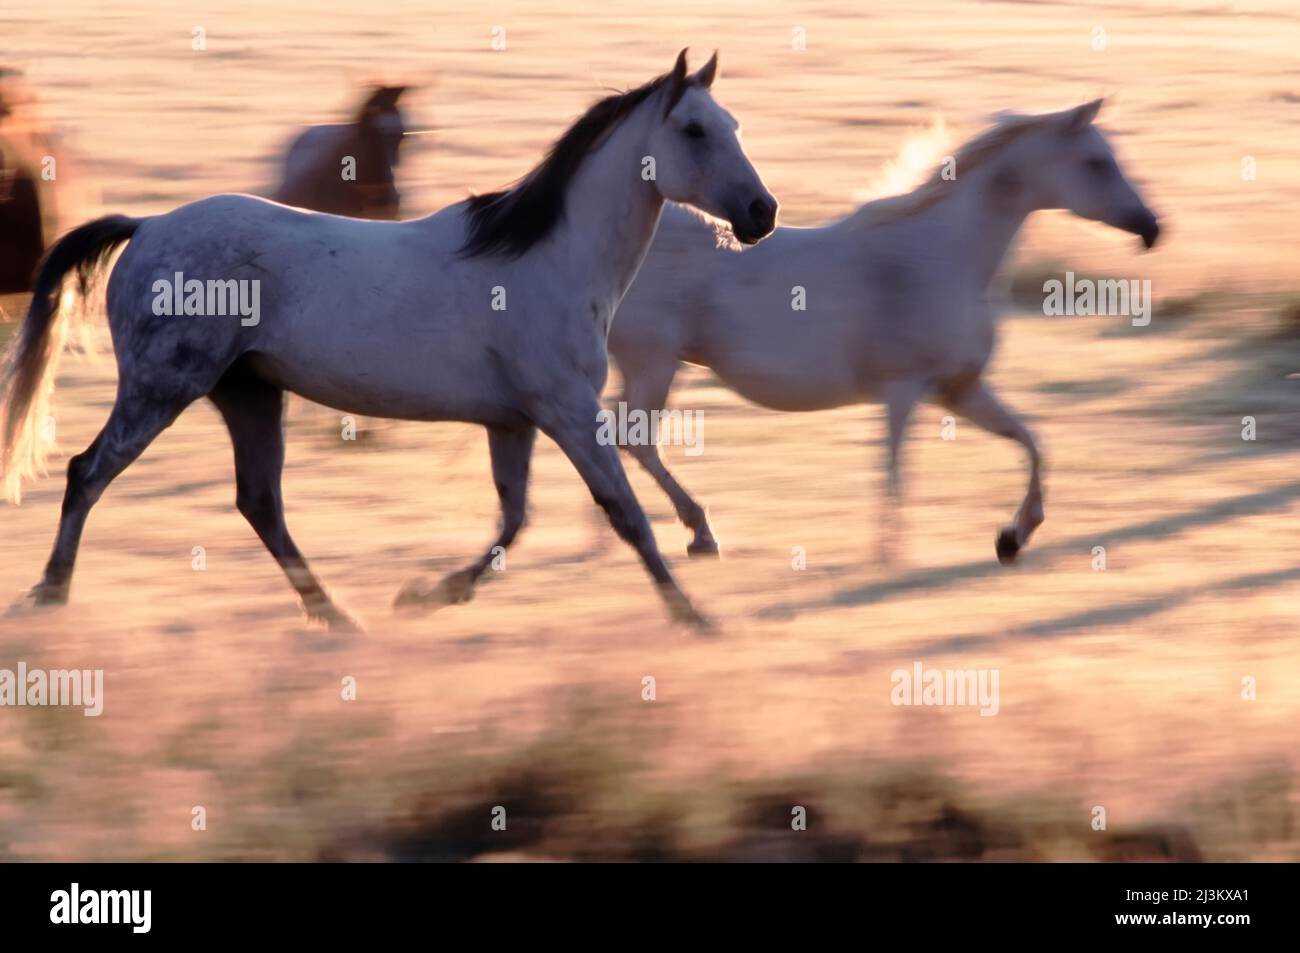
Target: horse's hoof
x=1007, y=546
x=39, y=596
x=414, y=593
x=694, y=620
x=683, y=613
x=340, y=623
x=334, y=618
x=704, y=549
x=451, y=590
x=42, y=594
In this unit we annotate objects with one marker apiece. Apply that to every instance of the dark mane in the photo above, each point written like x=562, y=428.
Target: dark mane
x=513, y=220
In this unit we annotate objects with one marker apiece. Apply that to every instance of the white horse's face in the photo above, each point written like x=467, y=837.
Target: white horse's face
x=699, y=162
x=1079, y=172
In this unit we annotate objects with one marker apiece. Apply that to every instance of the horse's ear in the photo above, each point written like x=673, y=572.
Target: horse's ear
x=676, y=83
x=1081, y=117
x=381, y=99
x=677, y=78
x=707, y=73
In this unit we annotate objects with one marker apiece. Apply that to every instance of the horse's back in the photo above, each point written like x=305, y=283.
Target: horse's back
x=309, y=153
x=790, y=323
x=698, y=269
x=351, y=313
x=234, y=235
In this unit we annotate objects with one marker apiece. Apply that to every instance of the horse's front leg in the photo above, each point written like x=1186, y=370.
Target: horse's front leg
x=569, y=415
x=978, y=404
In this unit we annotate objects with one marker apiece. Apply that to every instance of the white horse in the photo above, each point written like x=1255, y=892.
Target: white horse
x=897, y=298
x=493, y=311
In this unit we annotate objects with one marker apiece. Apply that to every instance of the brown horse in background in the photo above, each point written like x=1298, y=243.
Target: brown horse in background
x=347, y=168
x=27, y=201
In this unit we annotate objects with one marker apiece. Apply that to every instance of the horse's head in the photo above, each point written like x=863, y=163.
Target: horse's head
x=10, y=83
x=698, y=158
x=380, y=117
x=1077, y=170
x=375, y=137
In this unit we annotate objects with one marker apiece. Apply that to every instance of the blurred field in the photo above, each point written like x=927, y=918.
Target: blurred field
x=1119, y=688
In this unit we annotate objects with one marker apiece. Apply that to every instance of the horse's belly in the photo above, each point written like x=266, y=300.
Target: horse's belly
x=396, y=390
x=806, y=386
x=799, y=362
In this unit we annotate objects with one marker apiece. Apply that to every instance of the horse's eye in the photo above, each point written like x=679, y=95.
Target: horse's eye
x=693, y=131
x=1100, y=167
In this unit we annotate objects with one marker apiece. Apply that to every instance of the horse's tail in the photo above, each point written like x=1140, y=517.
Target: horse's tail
x=27, y=376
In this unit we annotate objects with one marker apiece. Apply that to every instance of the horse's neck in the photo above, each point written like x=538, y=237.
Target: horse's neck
x=611, y=213
x=981, y=217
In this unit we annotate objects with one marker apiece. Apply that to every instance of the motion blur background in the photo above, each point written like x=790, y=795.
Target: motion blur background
x=1120, y=688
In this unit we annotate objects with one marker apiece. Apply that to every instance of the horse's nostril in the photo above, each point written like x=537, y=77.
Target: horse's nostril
x=1147, y=227
x=762, y=213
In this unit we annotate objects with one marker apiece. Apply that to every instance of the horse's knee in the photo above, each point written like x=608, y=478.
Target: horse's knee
x=608, y=505
x=629, y=524
x=646, y=454
x=81, y=489
x=78, y=467
x=513, y=520
x=256, y=506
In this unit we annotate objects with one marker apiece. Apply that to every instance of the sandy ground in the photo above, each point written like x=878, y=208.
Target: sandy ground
x=1120, y=688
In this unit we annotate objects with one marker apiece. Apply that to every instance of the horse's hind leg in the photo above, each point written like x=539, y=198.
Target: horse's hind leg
x=977, y=403
x=139, y=415
x=512, y=451
x=646, y=389
x=252, y=410
x=900, y=400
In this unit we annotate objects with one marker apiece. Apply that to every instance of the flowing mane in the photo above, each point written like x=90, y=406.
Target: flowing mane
x=515, y=219
x=975, y=153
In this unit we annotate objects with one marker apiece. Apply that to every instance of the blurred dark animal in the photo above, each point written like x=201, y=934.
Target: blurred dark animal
x=347, y=168
x=27, y=200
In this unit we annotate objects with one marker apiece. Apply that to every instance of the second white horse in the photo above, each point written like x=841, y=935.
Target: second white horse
x=895, y=297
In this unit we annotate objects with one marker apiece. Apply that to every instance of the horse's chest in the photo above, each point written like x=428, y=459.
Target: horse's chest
x=970, y=344
x=589, y=341
x=955, y=341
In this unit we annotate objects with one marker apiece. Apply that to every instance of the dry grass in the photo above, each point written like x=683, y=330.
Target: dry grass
x=1120, y=689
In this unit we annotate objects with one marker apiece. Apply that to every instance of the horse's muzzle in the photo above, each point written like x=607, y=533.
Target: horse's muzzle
x=1146, y=226
x=757, y=221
